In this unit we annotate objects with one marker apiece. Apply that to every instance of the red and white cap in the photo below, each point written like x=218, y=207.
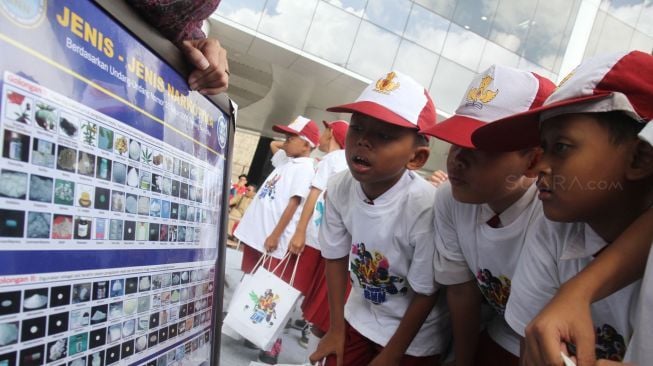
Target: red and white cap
x=339, y=130
x=614, y=82
x=496, y=93
x=303, y=127
x=394, y=98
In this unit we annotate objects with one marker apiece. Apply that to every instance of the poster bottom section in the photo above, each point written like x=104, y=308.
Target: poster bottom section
x=156, y=315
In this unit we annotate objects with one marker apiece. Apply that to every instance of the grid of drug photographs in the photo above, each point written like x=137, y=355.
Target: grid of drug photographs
x=106, y=320
x=67, y=177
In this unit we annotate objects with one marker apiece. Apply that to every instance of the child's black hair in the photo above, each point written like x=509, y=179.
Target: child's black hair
x=621, y=127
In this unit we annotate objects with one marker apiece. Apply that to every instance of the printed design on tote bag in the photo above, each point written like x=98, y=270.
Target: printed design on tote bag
x=269, y=188
x=372, y=271
x=495, y=289
x=264, y=308
x=610, y=345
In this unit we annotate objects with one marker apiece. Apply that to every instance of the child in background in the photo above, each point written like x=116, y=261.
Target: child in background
x=378, y=224
x=271, y=218
x=595, y=179
x=484, y=212
x=315, y=305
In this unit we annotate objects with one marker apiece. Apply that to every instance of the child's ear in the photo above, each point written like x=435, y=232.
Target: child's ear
x=534, y=155
x=419, y=158
x=641, y=165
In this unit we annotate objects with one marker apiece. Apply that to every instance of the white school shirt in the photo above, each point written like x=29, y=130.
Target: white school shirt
x=468, y=248
x=390, y=249
x=640, y=350
x=330, y=164
x=553, y=254
x=291, y=177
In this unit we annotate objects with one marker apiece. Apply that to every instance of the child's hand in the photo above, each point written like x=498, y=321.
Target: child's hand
x=333, y=343
x=297, y=242
x=271, y=243
x=565, y=319
x=612, y=363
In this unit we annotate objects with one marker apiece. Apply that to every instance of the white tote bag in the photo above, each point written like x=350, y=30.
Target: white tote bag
x=262, y=306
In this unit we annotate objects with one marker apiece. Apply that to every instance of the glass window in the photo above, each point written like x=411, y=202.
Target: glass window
x=449, y=85
x=641, y=42
x=511, y=23
x=416, y=61
x=547, y=31
x=356, y=7
x=475, y=15
x=374, y=51
x=463, y=46
x=495, y=54
x=442, y=7
x=287, y=21
x=332, y=34
x=426, y=28
x=525, y=64
x=615, y=36
x=244, y=12
x=625, y=10
x=645, y=23
x=389, y=14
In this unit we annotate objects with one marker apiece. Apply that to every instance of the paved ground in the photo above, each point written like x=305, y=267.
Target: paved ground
x=234, y=353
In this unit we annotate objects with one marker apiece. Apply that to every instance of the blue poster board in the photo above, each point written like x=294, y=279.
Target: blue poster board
x=111, y=195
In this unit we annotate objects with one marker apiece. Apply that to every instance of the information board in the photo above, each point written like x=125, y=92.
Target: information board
x=111, y=195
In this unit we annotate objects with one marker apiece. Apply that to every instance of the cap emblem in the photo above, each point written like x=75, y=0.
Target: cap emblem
x=386, y=85
x=478, y=96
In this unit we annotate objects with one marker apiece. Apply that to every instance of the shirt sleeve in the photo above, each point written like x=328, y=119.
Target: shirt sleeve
x=301, y=180
x=420, y=272
x=279, y=158
x=335, y=239
x=536, y=280
x=322, y=174
x=449, y=264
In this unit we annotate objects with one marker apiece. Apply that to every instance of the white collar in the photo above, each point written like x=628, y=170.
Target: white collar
x=582, y=242
x=390, y=194
x=509, y=215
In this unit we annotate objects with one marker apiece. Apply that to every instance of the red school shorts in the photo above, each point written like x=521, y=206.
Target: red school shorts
x=361, y=351
x=308, y=263
x=489, y=353
x=316, y=303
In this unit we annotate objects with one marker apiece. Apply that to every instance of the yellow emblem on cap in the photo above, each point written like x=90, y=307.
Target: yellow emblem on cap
x=386, y=85
x=481, y=95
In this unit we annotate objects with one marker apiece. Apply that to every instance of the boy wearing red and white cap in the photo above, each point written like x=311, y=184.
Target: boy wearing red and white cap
x=270, y=220
x=377, y=228
x=482, y=215
x=315, y=306
x=595, y=179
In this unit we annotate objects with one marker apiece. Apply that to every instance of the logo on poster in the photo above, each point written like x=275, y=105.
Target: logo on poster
x=24, y=13
x=222, y=131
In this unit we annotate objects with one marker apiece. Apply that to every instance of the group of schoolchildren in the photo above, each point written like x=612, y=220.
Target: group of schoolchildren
x=548, y=202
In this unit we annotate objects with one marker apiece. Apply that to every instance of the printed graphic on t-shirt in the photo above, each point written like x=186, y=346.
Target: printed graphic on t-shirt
x=610, y=345
x=263, y=310
x=496, y=290
x=372, y=271
x=269, y=188
x=318, y=214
